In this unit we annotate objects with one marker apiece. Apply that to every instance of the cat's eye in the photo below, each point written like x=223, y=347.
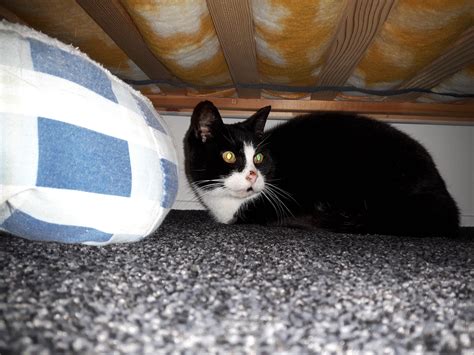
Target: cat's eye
x=229, y=157
x=258, y=158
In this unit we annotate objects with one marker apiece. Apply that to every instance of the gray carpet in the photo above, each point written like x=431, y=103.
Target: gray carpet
x=200, y=287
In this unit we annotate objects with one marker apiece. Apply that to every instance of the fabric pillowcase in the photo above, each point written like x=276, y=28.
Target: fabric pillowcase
x=84, y=157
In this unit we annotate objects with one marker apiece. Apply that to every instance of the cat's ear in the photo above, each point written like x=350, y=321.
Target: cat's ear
x=257, y=121
x=206, y=121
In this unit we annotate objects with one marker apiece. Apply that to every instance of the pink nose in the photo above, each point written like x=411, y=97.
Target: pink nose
x=251, y=176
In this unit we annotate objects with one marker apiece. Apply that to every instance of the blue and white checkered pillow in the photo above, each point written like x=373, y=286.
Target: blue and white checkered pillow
x=84, y=158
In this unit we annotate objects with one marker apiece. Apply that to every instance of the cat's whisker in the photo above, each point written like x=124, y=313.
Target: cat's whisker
x=209, y=187
x=204, y=183
x=286, y=212
x=272, y=180
x=283, y=210
x=286, y=195
x=204, y=193
x=206, y=180
x=195, y=198
x=282, y=192
x=270, y=200
x=259, y=145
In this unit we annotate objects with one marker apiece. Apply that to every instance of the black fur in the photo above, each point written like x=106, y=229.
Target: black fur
x=344, y=172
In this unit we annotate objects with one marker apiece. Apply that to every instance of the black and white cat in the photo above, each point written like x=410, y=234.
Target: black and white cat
x=336, y=171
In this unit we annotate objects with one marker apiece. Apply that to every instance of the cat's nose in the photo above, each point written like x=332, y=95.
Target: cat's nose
x=251, y=176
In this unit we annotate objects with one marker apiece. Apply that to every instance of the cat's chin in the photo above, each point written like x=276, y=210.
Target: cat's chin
x=243, y=194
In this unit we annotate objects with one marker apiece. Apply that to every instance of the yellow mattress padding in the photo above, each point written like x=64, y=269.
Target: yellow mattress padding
x=68, y=22
x=292, y=40
x=415, y=33
x=181, y=34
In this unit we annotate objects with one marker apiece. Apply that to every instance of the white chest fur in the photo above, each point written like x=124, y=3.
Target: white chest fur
x=222, y=206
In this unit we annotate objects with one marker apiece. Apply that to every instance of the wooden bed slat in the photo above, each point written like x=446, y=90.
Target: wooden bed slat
x=234, y=26
x=431, y=112
x=6, y=14
x=359, y=24
x=454, y=59
x=117, y=23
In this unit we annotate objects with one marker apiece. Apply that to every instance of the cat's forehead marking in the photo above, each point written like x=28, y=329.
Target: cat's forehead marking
x=249, y=152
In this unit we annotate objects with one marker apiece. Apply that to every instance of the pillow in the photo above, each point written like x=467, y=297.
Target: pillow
x=84, y=158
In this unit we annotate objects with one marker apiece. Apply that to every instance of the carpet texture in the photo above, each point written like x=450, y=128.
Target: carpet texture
x=201, y=287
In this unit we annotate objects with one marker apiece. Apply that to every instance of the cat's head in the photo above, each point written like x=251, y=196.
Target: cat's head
x=226, y=160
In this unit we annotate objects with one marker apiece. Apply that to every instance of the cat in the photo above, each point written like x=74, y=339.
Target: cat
x=336, y=171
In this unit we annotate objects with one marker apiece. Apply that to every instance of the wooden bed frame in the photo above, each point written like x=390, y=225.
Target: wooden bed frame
x=347, y=49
